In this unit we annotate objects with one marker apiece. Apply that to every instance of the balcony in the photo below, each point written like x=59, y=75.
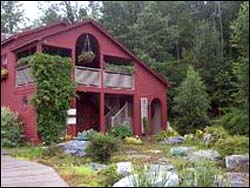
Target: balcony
x=92, y=77
x=85, y=76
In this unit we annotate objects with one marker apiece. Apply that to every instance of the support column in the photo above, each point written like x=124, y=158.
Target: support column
x=137, y=116
x=72, y=128
x=39, y=46
x=164, y=113
x=102, y=115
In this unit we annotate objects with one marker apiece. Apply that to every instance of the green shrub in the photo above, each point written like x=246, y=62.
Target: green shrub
x=121, y=131
x=165, y=134
x=111, y=175
x=217, y=132
x=54, y=90
x=101, y=146
x=132, y=140
x=235, y=122
x=145, y=179
x=201, y=174
x=12, y=133
x=232, y=145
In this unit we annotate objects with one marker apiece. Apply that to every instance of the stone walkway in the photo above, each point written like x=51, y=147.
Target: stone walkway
x=19, y=173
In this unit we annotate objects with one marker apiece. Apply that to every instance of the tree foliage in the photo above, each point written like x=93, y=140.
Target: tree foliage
x=12, y=14
x=192, y=103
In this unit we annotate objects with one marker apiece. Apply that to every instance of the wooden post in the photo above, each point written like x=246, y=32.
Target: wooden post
x=102, y=118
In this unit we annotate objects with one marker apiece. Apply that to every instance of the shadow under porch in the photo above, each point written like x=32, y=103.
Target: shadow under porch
x=117, y=109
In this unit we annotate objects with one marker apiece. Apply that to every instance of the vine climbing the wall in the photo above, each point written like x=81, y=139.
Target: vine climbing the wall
x=54, y=90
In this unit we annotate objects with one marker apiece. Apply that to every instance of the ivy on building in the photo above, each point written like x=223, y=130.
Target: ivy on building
x=54, y=90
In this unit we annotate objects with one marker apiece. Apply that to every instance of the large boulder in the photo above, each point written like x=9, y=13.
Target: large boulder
x=237, y=161
x=203, y=154
x=237, y=179
x=173, y=140
x=74, y=147
x=183, y=151
x=167, y=179
x=124, y=168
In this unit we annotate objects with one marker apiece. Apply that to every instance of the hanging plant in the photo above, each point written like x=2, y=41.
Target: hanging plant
x=87, y=55
x=4, y=73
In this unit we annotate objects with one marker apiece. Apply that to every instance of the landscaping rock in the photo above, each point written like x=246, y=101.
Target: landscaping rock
x=174, y=140
x=158, y=168
x=154, y=151
x=74, y=147
x=183, y=151
x=203, y=154
x=124, y=168
x=97, y=167
x=237, y=161
x=167, y=179
x=237, y=179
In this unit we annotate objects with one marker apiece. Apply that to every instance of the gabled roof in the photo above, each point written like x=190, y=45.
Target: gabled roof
x=30, y=31
x=99, y=27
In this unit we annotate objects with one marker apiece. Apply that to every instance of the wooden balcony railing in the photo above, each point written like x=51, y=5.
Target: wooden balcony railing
x=84, y=76
x=88, y=76
x=118, y=80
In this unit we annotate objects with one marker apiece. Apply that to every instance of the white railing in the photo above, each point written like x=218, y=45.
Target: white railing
x=118, y=80
x=122, y=116
x=23, y=76
x=88, y=76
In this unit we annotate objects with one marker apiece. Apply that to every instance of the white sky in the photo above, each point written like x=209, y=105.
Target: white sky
x=32, y=12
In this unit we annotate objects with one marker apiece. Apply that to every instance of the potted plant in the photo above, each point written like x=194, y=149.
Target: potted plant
x=86, y=57
x=4, y=73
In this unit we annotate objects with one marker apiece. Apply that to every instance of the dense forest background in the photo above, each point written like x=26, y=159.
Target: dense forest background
x=200, y=47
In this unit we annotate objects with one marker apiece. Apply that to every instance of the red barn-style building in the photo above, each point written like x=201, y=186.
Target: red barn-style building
x=108, y=94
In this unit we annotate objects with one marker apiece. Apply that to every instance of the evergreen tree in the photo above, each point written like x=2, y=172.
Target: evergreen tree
x=192, y=103
x=94, y=8
x=12, y=15
x=240, y=40
x=50, y=13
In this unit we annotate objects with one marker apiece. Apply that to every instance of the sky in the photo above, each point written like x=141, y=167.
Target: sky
x=31, y=10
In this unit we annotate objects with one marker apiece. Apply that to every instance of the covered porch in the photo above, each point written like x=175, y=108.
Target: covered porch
x=93, y=112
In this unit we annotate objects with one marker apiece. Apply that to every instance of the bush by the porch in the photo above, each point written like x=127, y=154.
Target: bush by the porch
x=102, y=146
x=121, y=131
x=12, y=133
